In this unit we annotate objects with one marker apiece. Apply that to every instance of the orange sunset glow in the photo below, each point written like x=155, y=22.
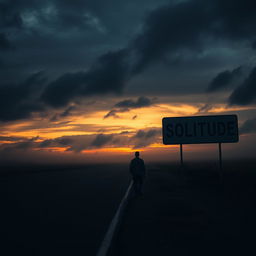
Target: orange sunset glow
x=92, y=135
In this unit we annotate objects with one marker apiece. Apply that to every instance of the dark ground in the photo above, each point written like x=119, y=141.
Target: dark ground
x=190, y=213
x=54, y=210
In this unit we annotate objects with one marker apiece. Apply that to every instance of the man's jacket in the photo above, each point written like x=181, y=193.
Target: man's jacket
x=137, y=167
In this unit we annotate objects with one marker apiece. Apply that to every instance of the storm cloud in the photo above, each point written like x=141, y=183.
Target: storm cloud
x=245, y=94
x=114, y=113
x=19, y=143
x=78, y=143
x=101, y=140
x=10, y=138
x=4, y=42
x=249, y=126
x=107, y=75
x=53, y=30
x=20, y=100
x=139, y=103
x=186, y=25
x=224, y=79
x=126, y=105
x=144, y=138
x=168, y=29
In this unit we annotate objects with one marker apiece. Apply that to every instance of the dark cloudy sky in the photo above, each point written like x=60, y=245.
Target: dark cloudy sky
x=81, y=77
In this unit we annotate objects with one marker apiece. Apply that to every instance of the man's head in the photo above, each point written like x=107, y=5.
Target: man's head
x=137, y=154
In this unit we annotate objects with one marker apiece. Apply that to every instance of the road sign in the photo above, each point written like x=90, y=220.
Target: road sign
x=200, y=129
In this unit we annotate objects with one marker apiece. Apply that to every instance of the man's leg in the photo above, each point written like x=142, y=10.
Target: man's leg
x=140, y=183
x=135, y=181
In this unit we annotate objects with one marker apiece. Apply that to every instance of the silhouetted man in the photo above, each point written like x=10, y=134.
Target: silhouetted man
x=138, y=171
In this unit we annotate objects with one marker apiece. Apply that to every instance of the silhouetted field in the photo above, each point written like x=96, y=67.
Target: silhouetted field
x=56, y=210
x=189, y=212
x=66, y=210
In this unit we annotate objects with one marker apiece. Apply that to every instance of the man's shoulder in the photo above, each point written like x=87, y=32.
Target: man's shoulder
x=133, y=161
x=136, y=160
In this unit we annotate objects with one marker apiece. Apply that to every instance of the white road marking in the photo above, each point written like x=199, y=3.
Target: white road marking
x=106, y=243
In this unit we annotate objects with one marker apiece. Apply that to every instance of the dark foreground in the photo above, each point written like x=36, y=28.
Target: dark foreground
x=191, y=213
x=58, y=210
x=67, y=210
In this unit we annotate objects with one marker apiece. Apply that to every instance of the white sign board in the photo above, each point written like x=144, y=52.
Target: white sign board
x=200, y=129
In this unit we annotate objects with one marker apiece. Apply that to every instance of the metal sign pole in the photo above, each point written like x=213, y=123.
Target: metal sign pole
x=181, y=156
x=200, y=129
x=220, y=163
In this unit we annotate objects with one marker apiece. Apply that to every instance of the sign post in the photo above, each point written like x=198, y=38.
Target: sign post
x=200, y=129
x=181, y=156
x=220, y=162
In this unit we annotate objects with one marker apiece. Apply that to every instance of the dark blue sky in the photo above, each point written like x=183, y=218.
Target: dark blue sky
x=159, y=46
x=55, y=55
